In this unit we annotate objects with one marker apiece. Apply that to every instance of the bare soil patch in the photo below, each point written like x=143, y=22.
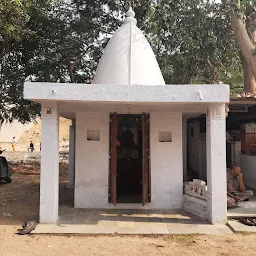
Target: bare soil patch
x=19, y=201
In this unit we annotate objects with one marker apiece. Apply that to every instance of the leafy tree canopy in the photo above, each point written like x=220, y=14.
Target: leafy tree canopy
x=62, y=41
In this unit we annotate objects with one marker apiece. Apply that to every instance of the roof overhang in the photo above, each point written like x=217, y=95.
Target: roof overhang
x=241, y=105
x=243, y=102
x=106, y=93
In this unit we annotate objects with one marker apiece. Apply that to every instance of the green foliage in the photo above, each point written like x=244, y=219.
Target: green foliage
x=14, y=18
x=194, y=41
x=62, y=41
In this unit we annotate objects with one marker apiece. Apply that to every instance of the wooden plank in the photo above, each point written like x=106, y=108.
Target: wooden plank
x=145, y=159
x=113, y=166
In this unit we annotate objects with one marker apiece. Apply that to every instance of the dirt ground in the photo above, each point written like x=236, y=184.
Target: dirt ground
x=19, y=201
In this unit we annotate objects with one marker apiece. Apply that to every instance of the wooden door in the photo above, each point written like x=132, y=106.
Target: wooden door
x=113, y=160
x=145, y=159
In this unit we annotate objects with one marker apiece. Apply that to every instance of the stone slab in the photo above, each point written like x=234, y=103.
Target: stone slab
x=236, y=226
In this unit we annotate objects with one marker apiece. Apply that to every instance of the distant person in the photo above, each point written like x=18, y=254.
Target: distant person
x=31, y=146
x=13, y=143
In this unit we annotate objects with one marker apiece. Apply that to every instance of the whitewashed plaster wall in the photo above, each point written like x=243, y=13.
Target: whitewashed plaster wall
x=202, y=158
x=71, y=156
x=166, y=161
x=92, y=159
x=248, y=168
x=92, y=163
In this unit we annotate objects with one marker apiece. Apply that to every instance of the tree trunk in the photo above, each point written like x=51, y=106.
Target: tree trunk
x=249, y=79
x=244, y=42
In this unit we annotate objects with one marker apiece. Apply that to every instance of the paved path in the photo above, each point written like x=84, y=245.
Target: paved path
x=129, y=222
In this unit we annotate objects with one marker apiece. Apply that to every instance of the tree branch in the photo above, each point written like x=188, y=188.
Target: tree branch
x=123, y=5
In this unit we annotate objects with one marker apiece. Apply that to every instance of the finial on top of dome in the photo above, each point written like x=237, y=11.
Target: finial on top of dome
x=130, y=14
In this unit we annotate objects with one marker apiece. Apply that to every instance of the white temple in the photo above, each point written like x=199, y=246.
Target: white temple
x=128, y=139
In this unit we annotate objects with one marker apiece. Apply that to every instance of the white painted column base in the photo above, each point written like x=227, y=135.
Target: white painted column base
x=216, y=163
x=49, y=177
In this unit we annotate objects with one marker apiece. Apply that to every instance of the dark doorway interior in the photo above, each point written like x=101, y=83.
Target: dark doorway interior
x=228, y=155
x=129, y=159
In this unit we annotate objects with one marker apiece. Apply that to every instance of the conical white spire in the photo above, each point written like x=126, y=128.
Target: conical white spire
x=130, y=14
x=128, y=58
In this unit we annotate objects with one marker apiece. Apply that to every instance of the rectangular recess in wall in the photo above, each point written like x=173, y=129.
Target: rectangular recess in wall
x=93, y=135
x=165, y=136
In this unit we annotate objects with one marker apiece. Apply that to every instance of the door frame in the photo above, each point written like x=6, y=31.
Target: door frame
x=146, y=172
x=112, y=158
x=146, y=181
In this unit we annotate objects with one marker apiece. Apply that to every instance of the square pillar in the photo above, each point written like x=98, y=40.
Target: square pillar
x=216, y=163
x=71, y=156
x=49, y=176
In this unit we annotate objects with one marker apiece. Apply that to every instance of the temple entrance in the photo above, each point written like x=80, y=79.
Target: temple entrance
x=129, y=167
x=129, y=159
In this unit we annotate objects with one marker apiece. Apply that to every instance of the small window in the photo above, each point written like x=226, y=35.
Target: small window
x=93, y=135
x=165, y=136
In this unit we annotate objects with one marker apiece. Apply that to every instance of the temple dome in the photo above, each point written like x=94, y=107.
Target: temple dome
x=128, y=58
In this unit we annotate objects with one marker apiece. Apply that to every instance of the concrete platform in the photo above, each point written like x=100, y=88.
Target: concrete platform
x=244, y=209
x=236, y=226
x=133, y=222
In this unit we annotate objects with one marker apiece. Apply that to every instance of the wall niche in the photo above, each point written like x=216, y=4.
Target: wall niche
x=93, y=135
x=165, y=136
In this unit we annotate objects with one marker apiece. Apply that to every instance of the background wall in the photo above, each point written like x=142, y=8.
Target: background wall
x=248, y=168
x=197, y=149
x=193, y=144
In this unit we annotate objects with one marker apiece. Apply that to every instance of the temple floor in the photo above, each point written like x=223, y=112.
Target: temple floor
x=96, y=221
